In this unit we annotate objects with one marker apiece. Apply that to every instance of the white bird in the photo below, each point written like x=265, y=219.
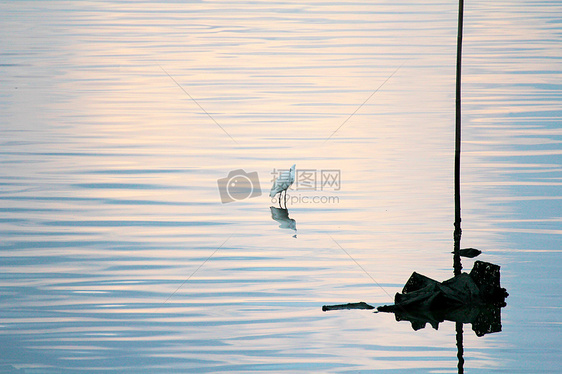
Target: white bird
x=282, y=183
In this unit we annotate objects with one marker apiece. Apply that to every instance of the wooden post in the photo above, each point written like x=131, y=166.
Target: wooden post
x=457, y=234
x=457, y=266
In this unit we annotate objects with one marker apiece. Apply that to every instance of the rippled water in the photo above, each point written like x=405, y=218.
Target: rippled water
x=117, y=254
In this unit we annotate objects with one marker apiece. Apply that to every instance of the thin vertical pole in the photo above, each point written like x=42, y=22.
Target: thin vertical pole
x=460, y=348
x=458, y=231
x=457, y=266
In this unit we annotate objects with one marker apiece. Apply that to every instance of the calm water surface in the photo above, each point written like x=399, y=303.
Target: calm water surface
x=117, y=254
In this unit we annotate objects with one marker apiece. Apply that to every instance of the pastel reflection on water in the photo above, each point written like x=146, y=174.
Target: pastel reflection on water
x=109, y=197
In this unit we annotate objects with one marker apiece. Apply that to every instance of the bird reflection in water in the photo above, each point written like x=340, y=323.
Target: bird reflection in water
x=281, y=215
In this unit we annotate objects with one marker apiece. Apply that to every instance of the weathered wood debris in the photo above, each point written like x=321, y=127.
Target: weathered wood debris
x=475, y=298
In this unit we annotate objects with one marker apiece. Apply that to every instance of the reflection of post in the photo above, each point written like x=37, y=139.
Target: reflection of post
x=460, y=349
x=457, y=235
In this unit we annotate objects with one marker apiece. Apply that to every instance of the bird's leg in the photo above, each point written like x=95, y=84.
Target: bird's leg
x=280, y=194
x=285, y=199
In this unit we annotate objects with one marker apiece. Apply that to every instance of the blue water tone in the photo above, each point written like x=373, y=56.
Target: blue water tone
x=118, y=118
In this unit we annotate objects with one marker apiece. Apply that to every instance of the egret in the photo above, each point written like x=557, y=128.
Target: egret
x=282, y=183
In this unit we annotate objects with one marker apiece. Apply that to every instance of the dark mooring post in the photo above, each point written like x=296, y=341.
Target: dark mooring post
x=457, y=235
x=457, y=266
